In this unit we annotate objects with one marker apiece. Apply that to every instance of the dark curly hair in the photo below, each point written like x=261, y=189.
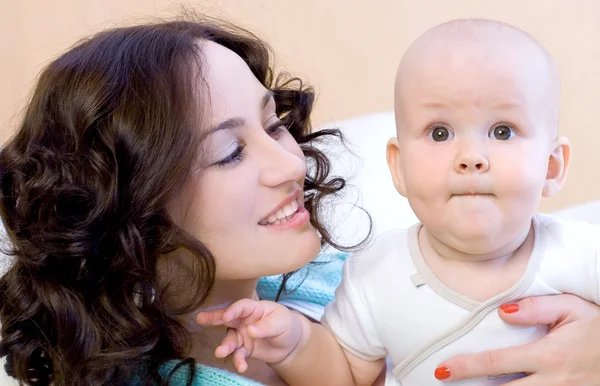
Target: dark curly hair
x=106, y=141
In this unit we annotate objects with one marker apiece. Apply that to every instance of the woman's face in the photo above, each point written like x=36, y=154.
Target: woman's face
x=245, y=202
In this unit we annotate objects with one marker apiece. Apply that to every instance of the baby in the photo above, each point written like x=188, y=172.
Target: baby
x=477, y=146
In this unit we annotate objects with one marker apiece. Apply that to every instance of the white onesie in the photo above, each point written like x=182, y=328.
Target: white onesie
x=390, y=303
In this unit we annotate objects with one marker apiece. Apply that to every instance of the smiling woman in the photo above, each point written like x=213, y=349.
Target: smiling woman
x=252, y=168
x=159, y=169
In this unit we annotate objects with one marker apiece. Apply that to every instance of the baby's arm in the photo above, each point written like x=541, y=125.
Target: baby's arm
x=322, y=361
x=302, y=352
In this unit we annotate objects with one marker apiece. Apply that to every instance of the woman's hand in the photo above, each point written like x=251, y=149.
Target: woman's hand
x=568, y=356
x=262, y=330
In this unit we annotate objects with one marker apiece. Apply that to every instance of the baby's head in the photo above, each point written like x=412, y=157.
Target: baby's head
x=477, y=144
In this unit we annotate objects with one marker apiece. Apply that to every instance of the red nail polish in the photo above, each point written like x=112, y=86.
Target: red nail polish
x=510, y=308
x=442, y=373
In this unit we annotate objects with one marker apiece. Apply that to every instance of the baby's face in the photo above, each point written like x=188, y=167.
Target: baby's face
x=476, y=128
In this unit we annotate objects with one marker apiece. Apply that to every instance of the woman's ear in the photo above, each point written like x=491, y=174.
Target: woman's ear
x=393, y=160
x=558, y=167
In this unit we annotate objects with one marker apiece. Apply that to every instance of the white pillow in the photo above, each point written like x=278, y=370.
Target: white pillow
x=366, y=165
x=589, y=212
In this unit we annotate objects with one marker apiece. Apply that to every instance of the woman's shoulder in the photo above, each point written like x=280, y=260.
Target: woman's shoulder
x=204, y=375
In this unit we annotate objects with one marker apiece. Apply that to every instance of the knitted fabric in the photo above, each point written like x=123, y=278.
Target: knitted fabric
x=205, y=376
x=314, y=283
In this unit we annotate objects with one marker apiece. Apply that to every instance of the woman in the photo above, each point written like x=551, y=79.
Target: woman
x=159, y=170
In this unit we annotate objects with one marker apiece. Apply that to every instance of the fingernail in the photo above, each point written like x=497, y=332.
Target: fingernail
x=510, y=308
x=442, y=373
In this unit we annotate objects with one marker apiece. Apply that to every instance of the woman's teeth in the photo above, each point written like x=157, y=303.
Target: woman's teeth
x=284, y=214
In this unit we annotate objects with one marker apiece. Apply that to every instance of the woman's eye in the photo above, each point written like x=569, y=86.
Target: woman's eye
x=502, y=133
x=233, y=158
x=276, y=129
x=440, y=134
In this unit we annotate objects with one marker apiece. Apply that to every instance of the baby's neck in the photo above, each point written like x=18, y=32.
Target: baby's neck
x=432, y=244
x=478, y=276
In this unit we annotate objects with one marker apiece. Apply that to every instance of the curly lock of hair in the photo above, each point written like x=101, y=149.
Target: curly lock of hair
x=105, y=143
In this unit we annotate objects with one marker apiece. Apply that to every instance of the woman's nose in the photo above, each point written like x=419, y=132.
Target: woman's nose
x=280, y=164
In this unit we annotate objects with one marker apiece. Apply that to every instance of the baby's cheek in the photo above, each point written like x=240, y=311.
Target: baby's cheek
x=427, y=186
x=523, y=181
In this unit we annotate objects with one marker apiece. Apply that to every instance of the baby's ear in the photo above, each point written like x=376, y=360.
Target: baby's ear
x=393, y=160
x=558, y=167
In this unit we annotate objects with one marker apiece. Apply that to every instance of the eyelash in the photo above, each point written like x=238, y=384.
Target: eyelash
x=238, y=153
x=276, y=128
x=236, y=156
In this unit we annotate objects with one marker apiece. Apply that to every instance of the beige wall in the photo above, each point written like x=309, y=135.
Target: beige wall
x=347, y=48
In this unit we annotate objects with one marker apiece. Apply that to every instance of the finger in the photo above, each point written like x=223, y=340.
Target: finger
x=510, y=360
x=268, y=327
x=248, y=309
x=551, y=309
x=239, y=360
x=210, y=318
x=246, y=341
x=232, y=341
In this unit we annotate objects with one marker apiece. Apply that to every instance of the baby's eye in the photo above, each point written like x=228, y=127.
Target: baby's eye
x=441, y=134
x=502, y=133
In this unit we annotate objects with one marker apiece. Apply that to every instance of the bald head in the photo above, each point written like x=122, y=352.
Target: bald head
x=469, y=60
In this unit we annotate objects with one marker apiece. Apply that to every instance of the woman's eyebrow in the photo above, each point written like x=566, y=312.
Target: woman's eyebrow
x=235, y=122
x=228, y=124
x=266, y=99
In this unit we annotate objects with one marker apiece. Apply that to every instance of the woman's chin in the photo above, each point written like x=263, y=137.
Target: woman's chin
x=294, y=256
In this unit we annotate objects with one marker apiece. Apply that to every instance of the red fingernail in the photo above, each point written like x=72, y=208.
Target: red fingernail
x=442, y=373
x=510, y=308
